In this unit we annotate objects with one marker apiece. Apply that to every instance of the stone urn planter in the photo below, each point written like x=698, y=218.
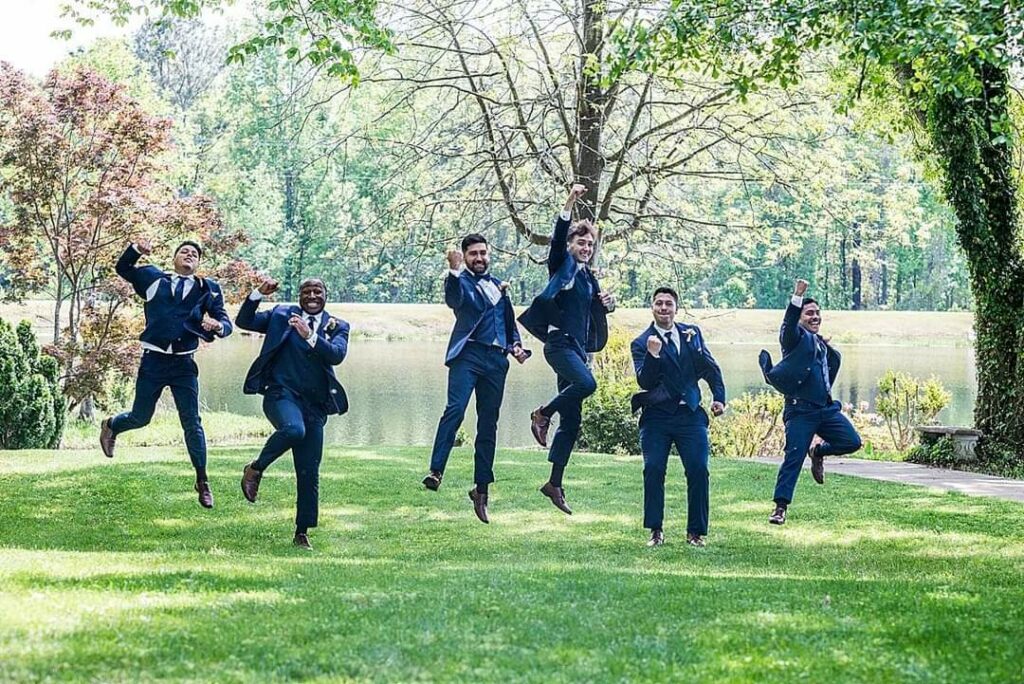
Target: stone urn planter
x=965, y=440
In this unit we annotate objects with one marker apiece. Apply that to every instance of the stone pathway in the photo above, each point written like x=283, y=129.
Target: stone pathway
x=974, y=484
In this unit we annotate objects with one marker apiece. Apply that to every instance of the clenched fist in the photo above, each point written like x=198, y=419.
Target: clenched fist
x=268, y=286
x=454, y=259
x=800, y=288
x=144, y=246
x=654, y=346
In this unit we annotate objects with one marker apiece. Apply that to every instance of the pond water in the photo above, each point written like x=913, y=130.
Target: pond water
x=397, y=389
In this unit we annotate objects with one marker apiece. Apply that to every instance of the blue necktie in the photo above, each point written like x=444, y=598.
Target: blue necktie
x=670, y=345
x=179, y=291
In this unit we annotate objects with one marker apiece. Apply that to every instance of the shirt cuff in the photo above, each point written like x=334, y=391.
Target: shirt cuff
x=256, y=295
x=311, y=340
x=136, y=248
x=797, y=301
x=565, y=215
x=456, y=272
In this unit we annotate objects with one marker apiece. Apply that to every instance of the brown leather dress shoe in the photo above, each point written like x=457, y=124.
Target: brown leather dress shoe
x=557, y=496
x=778, y=516
x=817, y=465
x=539, y=424
x=251, y=482
x=433, y=480
x=107, y=439
x=479, y=504
x=205, y=497
x=301, y=540
x=695, y=540
x=657, y=538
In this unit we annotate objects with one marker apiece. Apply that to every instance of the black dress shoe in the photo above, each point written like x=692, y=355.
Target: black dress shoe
x=817, y=465
x=251, y=482
x=107, y=439
x=479, y=504
x=557, y=496
x=301, y=540
x=778, y=516
x=205, y=496
x=657, y=538
x=433, y=480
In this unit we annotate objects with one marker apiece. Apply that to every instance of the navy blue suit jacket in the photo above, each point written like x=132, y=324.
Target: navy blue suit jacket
x=792, y=375
x=469, y=303
x=167, y=323
x=662, y=379
x=544, y=311
x=330, y=348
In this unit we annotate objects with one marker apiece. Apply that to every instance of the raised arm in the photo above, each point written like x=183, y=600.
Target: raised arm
x=453, y=294
x=790, y=333
x=140, y=278
x=248, y=318
x=557, y=250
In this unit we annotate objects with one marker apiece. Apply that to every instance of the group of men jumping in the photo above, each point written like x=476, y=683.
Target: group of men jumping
x=294, y=372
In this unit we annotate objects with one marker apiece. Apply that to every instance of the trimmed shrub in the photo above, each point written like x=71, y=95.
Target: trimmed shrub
x=906, y=402
x=608, y=426
x=31, y=403
x=752, y=426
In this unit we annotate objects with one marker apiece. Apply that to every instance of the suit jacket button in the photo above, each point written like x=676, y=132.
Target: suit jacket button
x=334, y=391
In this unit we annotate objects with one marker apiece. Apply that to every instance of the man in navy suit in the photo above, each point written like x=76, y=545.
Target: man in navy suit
x=570, y=317
x=669, y=359
x=815, y=424
x=485, y=332
x=295, y=374
x=180, y=308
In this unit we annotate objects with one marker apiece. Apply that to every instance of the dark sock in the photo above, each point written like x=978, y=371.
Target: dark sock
x=782, y=504
x=481, y=487
x=201, y=475
x=546, y=412
x=301, y=529
x=556, y=474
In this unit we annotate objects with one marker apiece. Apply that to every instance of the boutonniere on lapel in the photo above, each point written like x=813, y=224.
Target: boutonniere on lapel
x=688, y=333
x=332, y=325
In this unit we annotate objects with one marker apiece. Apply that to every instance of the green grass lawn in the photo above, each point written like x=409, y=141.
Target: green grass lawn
x=109, y=572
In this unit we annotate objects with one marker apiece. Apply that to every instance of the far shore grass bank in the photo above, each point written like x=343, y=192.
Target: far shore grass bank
x=724, y=326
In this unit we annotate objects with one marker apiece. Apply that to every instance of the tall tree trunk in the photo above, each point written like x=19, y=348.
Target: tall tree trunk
x=979, y=183
x=590, y=107
x=856, y=277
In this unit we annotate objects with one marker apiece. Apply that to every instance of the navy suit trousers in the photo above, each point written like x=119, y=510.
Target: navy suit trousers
x=181, y=374
x=803, y=420
x=481, y=368
x=298, y=426
x=660, y=428
x=575, y=383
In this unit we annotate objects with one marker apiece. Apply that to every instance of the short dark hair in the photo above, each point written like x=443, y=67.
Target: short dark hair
x=809, y=300
x=472, y=239
x=668, y=291
x=309, y=281
x=189, y=243
x=581, y=227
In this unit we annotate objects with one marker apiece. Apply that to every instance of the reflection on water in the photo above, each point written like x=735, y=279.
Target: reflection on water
x=397, y=389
